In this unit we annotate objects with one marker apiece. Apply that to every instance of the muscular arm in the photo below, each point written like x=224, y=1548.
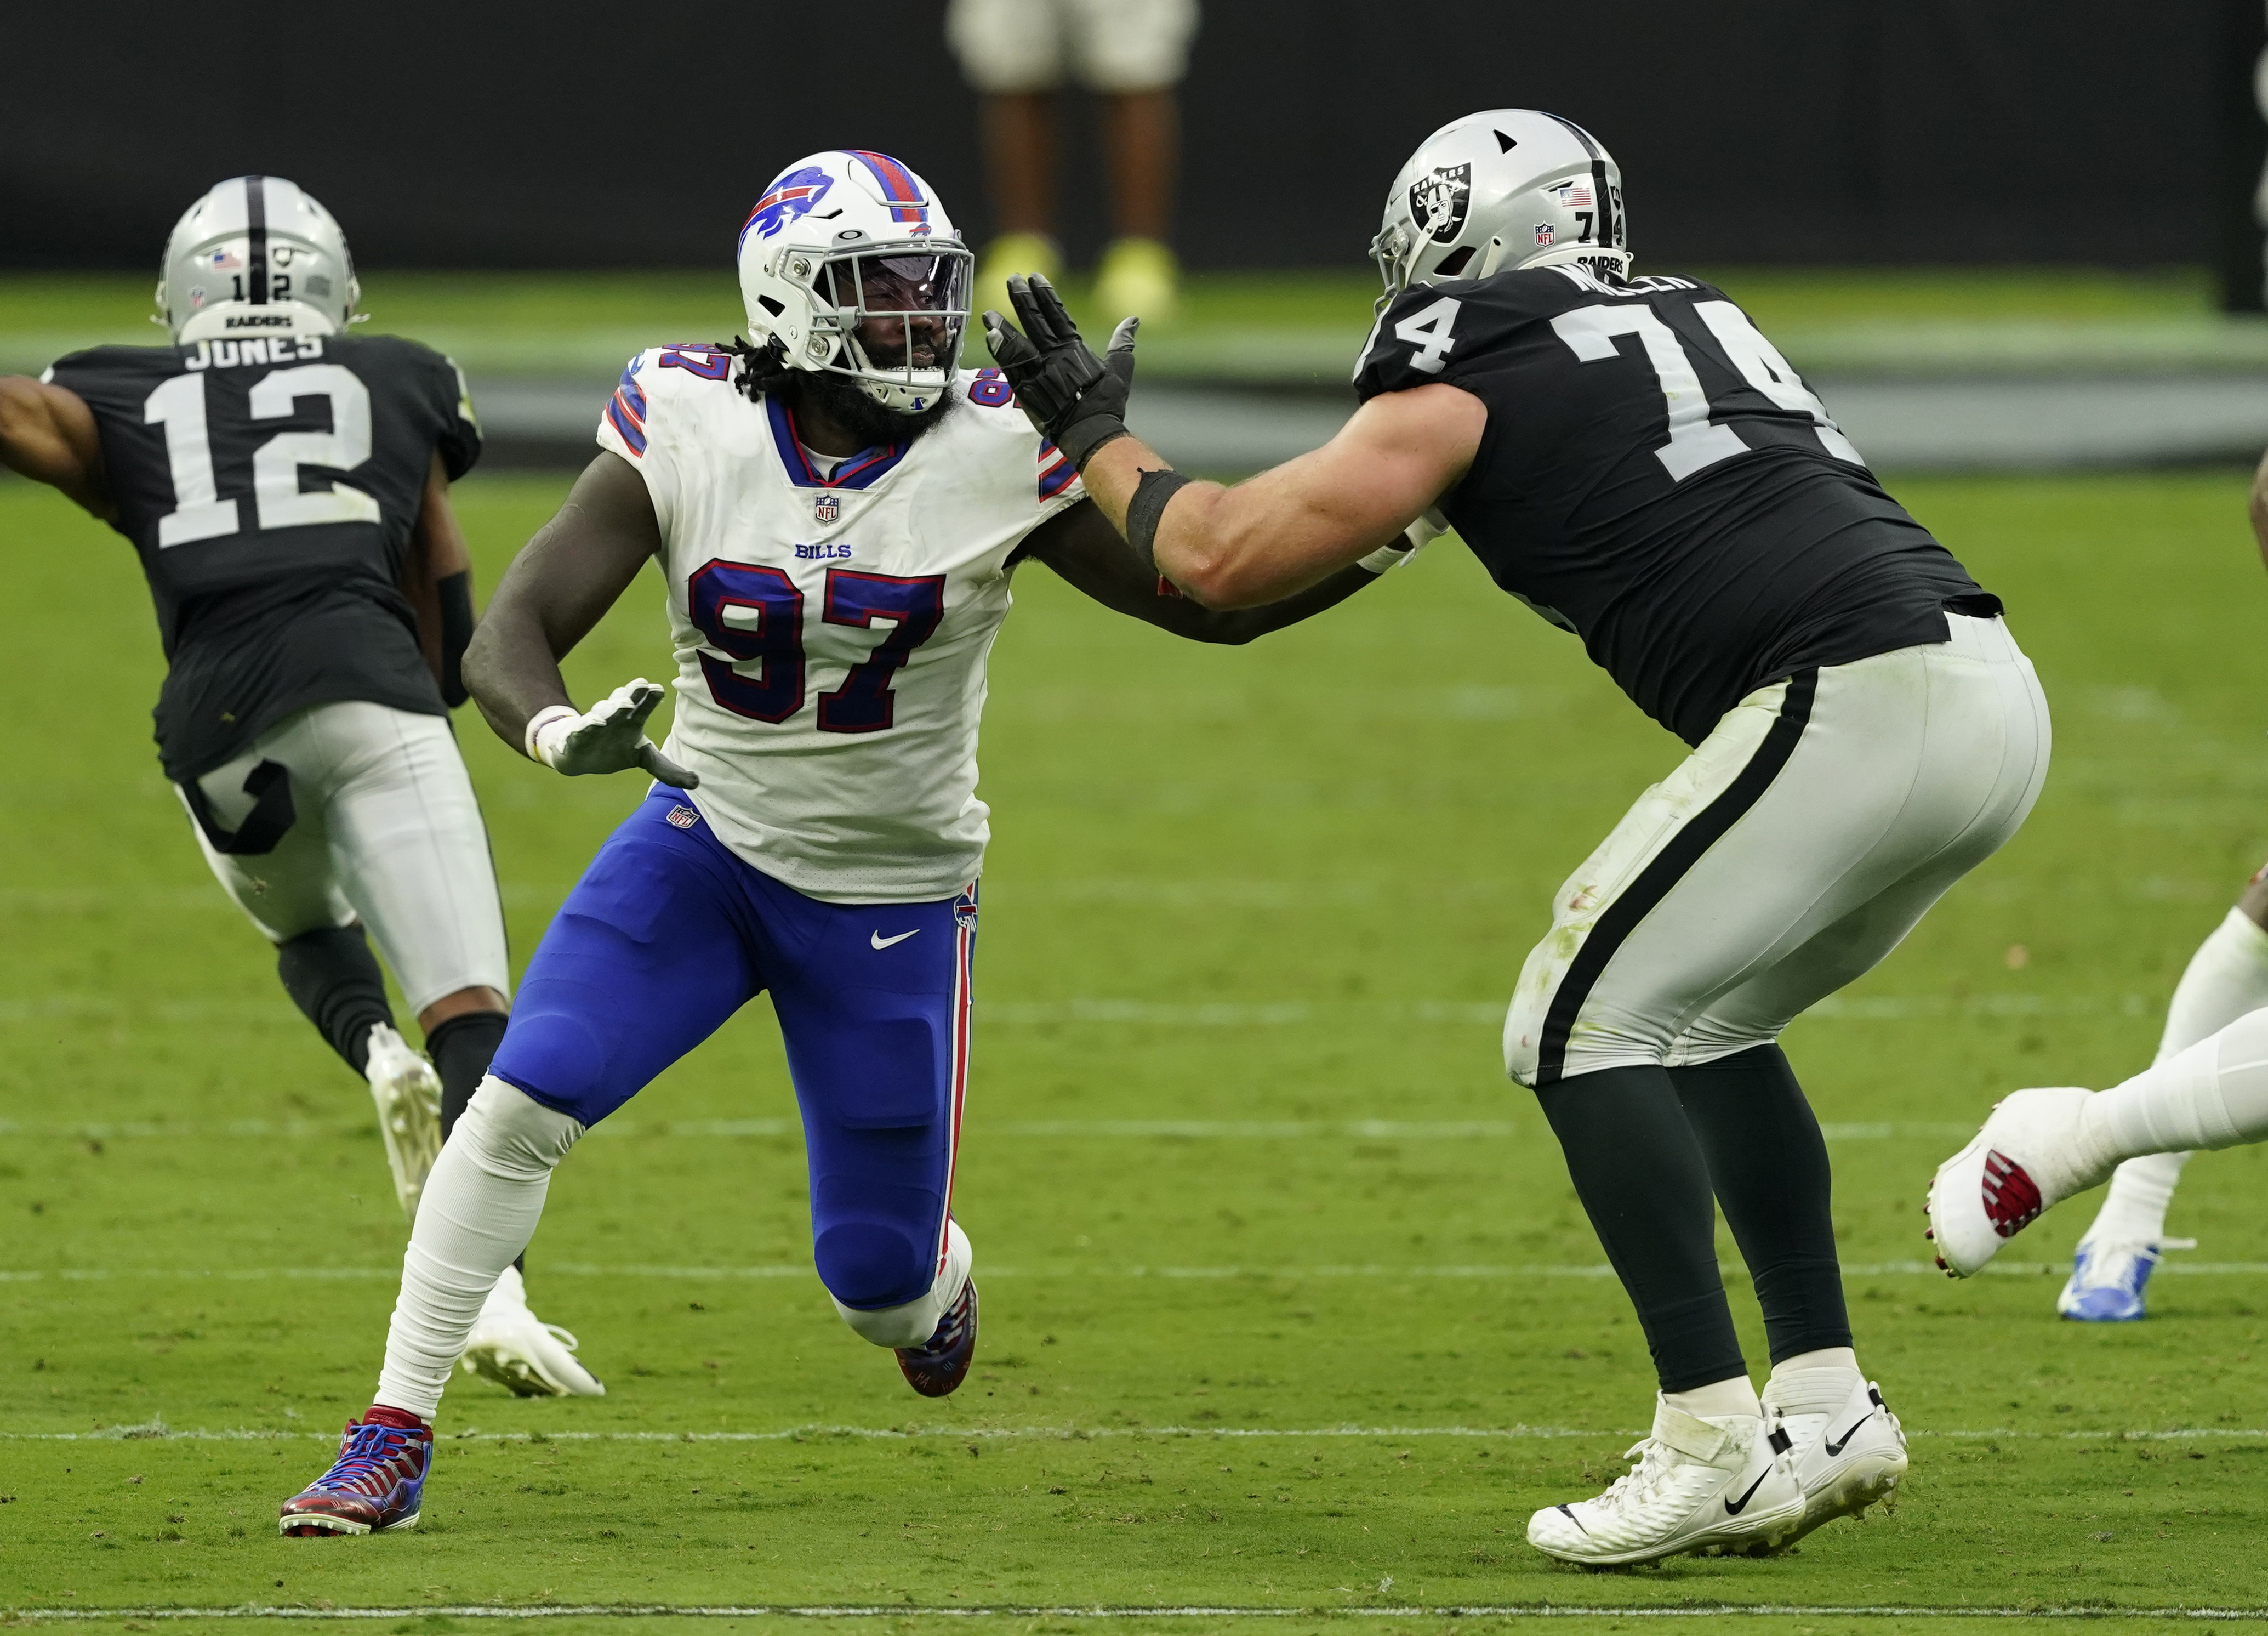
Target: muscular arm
x=47, y=433
x=560, y=585
x=1082, y=545
x=1288, y=528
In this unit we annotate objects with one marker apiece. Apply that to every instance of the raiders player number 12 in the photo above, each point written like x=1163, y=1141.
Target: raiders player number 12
x=1633, y=458
x=286, y=487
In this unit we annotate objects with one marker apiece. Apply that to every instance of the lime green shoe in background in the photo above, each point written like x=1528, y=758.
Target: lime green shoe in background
x=1138, y=278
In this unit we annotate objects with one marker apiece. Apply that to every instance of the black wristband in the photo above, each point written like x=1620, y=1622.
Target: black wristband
x=1145, y=508
x=1081, y=438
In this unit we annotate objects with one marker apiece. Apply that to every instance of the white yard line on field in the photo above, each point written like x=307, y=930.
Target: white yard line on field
x=1102, y=1130
x=158, y=1431
x=1377, y=1611
x=797, y=1269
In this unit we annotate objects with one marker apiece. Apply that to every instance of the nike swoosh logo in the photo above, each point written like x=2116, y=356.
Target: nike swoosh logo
x=1733, y=1508
x=879, y=941
x=1837, y=1445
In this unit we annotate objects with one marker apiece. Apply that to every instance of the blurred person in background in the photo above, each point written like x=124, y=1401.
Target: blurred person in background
x=1131, y=54
x=287, y=488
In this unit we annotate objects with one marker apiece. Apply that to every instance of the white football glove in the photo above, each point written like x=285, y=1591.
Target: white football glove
x=1415, y=538
x=609, y=737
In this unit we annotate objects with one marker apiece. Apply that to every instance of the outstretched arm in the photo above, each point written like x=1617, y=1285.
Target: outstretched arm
x=1082, y=545
x=561, y=584
x=48, y=434
x=1285, y=530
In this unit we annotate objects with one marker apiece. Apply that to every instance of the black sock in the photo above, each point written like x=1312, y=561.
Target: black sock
x=1768, y=1163
x=461, y=1049
x=1644, y=1183
x=333, y=977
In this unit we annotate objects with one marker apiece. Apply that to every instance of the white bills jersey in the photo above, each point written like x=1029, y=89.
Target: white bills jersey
x=831, y=627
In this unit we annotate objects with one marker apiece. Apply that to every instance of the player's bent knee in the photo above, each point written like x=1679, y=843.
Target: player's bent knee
x=509, y=1133
x=907, y=1322
x=867, y=1265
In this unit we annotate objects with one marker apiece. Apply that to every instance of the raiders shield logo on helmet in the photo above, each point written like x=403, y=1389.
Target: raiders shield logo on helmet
x=1438, y=202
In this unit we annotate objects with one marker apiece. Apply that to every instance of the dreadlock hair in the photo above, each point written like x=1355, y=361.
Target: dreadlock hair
x=763, y=369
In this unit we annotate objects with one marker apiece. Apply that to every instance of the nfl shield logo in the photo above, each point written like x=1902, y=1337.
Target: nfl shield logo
x=1543, y=235
x=683, y=817
x=826, y=509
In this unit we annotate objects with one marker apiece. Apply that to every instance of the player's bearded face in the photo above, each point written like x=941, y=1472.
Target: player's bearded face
x=906, y=292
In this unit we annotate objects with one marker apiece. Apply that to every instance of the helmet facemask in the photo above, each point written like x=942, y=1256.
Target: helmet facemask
x=891, y=319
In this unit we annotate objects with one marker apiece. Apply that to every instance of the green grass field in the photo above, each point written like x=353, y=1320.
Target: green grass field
x=1288, y=1304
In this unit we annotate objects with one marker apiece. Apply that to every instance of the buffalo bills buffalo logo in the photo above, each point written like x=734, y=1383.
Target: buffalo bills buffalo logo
x=1438, y=202
x=789, y=199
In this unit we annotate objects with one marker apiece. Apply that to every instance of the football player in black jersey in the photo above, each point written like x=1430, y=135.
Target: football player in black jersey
x=287, y=487
x=1630, y=458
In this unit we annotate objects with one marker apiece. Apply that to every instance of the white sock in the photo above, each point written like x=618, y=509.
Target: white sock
x=2212, y=1095
x=914, y=1322
x=2225, y=979
x=1720, y=1400
x=1814, y=1382
x=2134, y=1210
x=480, y=1208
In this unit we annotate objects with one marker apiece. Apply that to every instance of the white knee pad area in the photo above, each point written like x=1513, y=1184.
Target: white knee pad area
x=509, y=1133
x=914, y=1322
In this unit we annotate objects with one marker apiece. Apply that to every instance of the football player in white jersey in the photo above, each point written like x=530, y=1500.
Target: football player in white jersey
x=837, y=512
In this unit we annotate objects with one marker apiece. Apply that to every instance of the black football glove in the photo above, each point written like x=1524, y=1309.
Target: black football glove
x=1078, y=400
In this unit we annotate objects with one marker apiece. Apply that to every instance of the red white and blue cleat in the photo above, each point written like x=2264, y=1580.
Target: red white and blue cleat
x=378, y=1483
x=937, y=1368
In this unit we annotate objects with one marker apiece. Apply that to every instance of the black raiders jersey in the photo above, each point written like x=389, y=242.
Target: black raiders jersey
x=1656, y=478
x=271, y=484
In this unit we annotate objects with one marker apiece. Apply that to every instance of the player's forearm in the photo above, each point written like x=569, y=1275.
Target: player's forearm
x=1247, y=548
x=512, y=671
x=1237, y=626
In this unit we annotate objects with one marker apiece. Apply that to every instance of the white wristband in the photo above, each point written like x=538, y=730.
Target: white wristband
x=536, y=723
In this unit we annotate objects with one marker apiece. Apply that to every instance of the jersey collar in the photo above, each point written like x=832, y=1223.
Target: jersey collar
x=862, y=470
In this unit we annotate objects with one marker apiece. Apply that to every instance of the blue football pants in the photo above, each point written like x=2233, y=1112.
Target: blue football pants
x=669, y=932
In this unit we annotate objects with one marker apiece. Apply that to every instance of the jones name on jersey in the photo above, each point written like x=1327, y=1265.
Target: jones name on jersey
x=831, y=627
x=270, y=485
x=1656, y=478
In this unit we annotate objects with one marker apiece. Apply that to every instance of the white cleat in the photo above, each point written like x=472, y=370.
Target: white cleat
x=2030, y=1156
x=527, y=1357
x=1843, y=1462
x=408, y=1093
x=1713, y=1487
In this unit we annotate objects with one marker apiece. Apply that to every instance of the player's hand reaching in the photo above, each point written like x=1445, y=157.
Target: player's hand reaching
x=609, y=737
x=1077, y=399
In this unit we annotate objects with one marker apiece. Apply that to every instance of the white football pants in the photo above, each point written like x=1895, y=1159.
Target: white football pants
x=1107, y=45
x=1790, y=851
x=388, y=831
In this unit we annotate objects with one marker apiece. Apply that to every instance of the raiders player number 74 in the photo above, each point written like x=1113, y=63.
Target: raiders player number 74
x=1630, y=458
x=286, y=488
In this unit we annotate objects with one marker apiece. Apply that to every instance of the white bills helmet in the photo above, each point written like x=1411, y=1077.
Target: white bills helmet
x=852, y=266
x=1510, y=187
x=256, y=253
